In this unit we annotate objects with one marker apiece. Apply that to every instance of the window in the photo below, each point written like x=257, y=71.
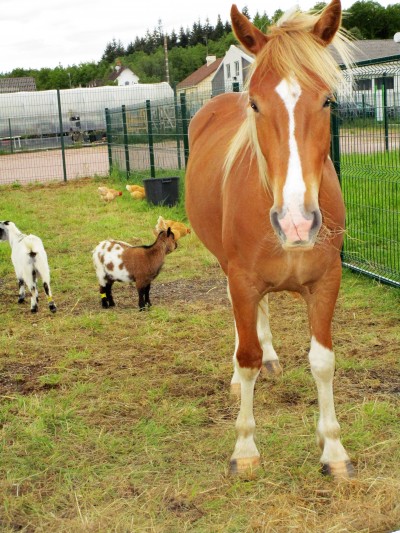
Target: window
x=389, y=82
x=127, y=83
x=228, y=71
x=363, y=85
x=237, y=68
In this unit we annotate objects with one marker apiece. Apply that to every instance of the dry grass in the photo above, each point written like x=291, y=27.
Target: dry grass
x=117, y=421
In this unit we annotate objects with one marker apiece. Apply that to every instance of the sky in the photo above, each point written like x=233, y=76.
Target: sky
x=47, y=33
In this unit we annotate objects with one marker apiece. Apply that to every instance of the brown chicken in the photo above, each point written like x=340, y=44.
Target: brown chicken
x=178, y=228
x=107, y=194
x=136, y=191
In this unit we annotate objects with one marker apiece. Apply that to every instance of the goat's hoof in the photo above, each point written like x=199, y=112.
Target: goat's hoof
x=34, y=309
x=53, y=308
x=111, y=303
x=21, y=300
x=339, y=470
x=142, y=309
x=244, y=465
x=104, y=304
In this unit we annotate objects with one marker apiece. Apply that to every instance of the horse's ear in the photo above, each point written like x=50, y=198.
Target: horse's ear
x=251, y=37
x=329, y=22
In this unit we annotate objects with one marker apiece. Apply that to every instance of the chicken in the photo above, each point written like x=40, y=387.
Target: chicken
x=107, y=194
x=136, y=191
x=178, y=228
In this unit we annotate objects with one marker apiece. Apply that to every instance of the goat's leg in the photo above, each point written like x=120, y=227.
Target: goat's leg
x=30, y=278
x=142, y=298
x=103, y=294
x=47, y=290
x=147, y=296
x=109, y=297
x=21, y=292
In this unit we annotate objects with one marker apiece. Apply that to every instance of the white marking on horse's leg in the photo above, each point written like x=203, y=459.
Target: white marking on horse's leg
x=322, y=361
x=235, y=381
x=245, y=455
x=270, y=358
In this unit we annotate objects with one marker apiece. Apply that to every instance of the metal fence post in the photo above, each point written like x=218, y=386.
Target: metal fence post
x=61, y=135
x=10, y=134
x=151, y=140
x=335, y=146
x=178, y=141
x=185, y=127
x=385, y=111
x=335, y=140
x=126, y=144
x=109, y=138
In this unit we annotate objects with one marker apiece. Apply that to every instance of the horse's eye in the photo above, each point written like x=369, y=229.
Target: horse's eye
x=329, y=100
x=254, y=107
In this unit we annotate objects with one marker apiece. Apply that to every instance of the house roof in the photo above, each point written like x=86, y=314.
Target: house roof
x=116, y=73
x=14, y=85
x=372, y=49
x=200, y=74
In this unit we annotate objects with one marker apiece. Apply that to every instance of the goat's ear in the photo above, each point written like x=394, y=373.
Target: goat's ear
x=6, y=222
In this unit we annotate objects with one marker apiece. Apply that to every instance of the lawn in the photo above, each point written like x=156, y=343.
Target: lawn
x=120, y=421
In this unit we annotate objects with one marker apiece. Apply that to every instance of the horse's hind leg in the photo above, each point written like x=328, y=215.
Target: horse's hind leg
x=321, y=303
x=270, y=359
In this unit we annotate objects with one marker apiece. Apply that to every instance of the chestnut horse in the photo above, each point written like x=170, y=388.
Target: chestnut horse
x=263, y=196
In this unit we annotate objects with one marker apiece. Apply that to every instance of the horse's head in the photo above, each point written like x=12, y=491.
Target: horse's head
x=290, y=91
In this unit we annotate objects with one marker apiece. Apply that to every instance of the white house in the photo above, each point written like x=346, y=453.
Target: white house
x=233, y=69
x=123, y=75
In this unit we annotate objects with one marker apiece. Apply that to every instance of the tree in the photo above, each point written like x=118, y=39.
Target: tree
x=261, y=21
x=276, y=16
x=113, y=50
x=219, y=30
x=245, y=12
x=369, y=17
x=183, y=38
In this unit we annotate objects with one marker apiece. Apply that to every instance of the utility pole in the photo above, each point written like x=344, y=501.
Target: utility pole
x=166, y=59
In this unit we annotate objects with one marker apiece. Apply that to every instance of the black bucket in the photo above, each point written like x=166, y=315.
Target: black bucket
x=162, y=191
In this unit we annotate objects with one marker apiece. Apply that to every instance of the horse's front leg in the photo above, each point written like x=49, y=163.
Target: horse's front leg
x=321, y=303
x=248, y=361
x=270, y=361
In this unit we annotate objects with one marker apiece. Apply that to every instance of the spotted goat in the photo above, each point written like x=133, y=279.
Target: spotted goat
x=30, y=261
x=120, y=261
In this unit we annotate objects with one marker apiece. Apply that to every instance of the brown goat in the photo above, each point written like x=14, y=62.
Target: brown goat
x=119, y=261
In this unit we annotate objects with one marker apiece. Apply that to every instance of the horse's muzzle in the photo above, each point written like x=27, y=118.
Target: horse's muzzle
x=296, y=231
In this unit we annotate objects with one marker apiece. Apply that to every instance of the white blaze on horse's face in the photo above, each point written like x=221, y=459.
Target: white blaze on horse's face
x=295, y=225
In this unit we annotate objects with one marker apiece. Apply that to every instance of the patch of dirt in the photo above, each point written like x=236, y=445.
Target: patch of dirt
x=189, y=290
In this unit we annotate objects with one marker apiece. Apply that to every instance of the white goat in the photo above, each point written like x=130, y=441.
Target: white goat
x=30, y=260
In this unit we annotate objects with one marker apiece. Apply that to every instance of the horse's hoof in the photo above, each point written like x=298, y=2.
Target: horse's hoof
x=235, y=390
x=244, y=465
x=272, y=367
x=340, y=470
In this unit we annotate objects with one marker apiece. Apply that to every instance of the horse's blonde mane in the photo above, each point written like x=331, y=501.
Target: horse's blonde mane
x=292, y=50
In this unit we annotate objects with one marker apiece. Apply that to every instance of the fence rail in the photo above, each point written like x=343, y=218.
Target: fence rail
x=148, y=137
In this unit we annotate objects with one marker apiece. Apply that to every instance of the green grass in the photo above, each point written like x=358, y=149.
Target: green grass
x=371, y=189
x=120, y=421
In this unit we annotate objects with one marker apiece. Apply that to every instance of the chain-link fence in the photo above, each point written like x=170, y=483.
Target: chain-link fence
x=366, y=154
x=142, y=131
x=60, y=135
